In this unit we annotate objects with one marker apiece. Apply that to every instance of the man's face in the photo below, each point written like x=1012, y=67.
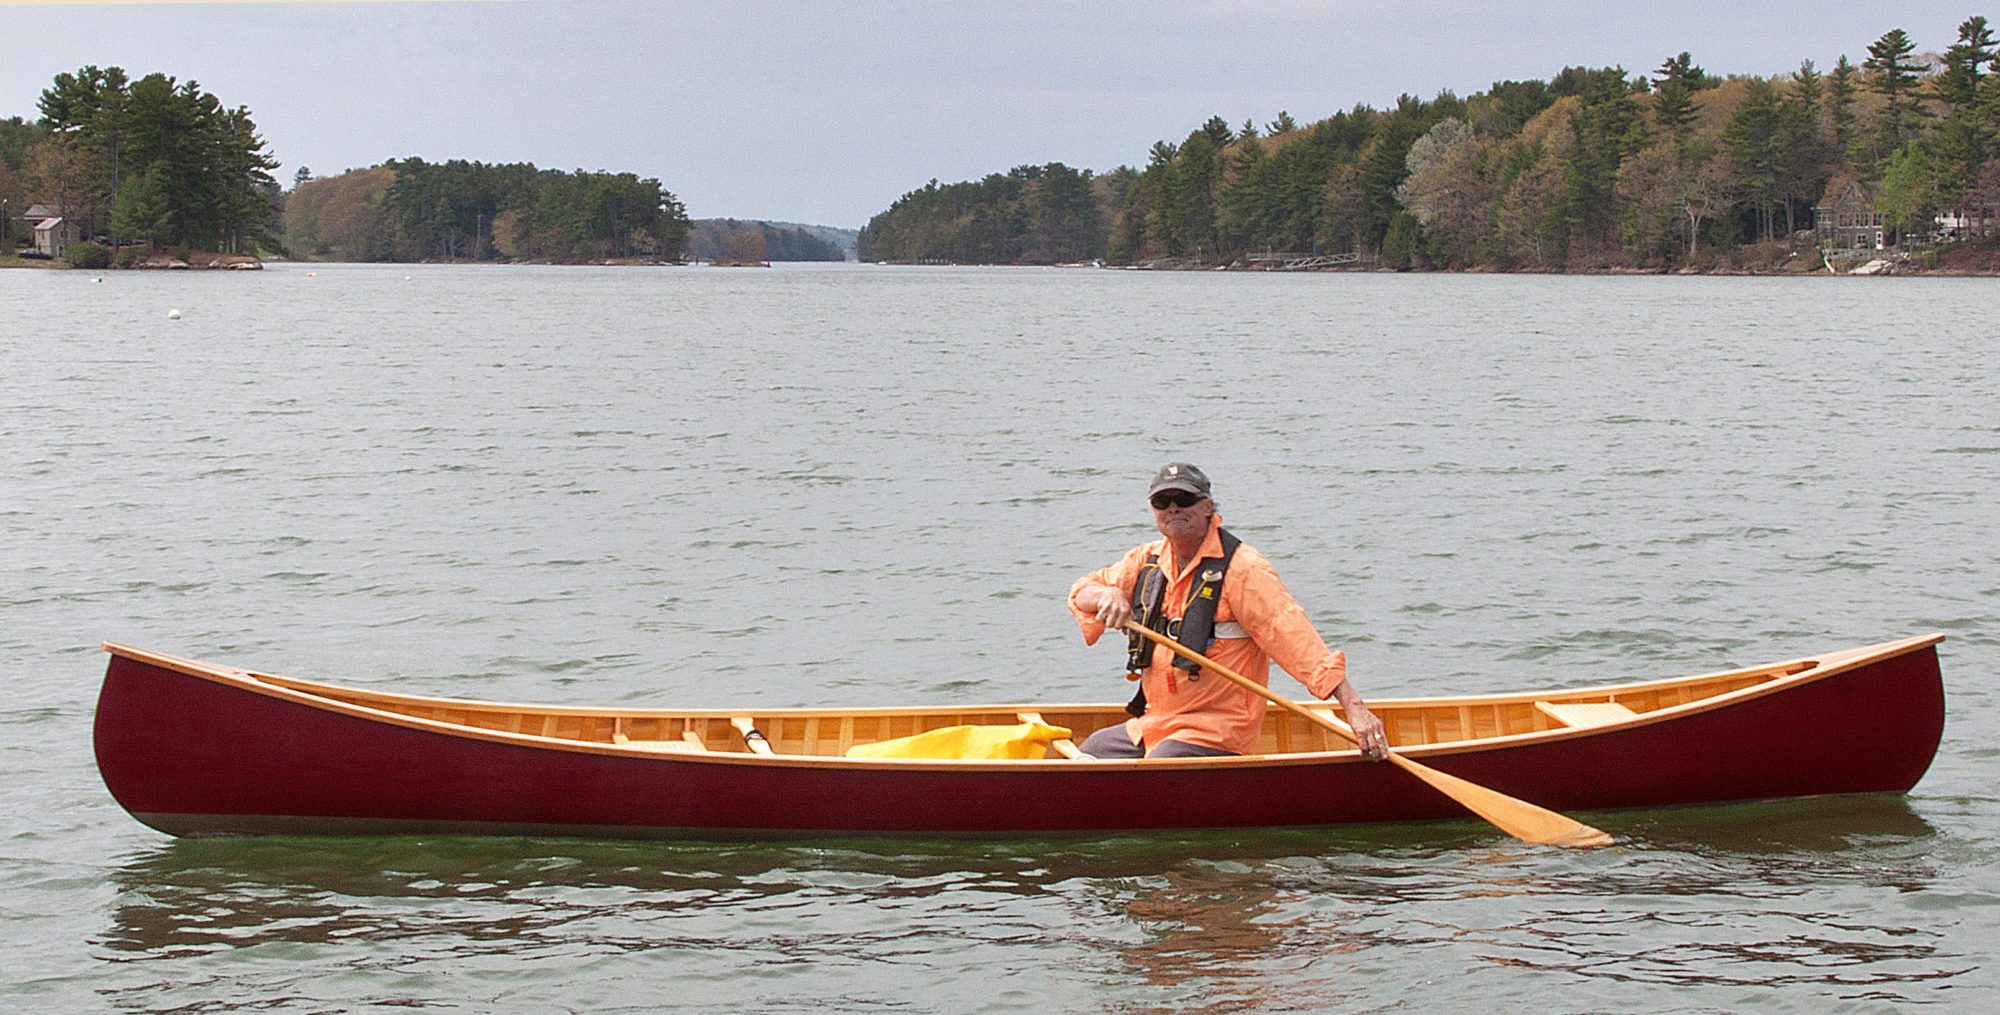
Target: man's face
x=1178, y=520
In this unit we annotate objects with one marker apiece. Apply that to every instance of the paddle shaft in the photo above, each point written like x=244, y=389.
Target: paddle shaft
x=1345, y=731
x=1518, y=818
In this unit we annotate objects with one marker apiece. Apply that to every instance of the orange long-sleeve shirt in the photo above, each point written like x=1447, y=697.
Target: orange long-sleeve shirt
x=1211, y=711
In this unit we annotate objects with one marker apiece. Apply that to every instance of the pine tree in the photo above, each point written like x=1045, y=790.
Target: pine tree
x=1750, y=140
x=1808, y=86
x=1964, y=63
x=1189, y=211
x=1894, y=74
x=1218, y=132
x=1244, y=197
x=1683, y=71
x=1608, y=127
x=1402, y=243
x=1965, y=138
x=1805, y=157
x=1841, y=84
x=90, y=107
x=1673, y=94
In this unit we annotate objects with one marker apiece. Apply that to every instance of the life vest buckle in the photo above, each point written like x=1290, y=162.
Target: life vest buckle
x=1174, y=632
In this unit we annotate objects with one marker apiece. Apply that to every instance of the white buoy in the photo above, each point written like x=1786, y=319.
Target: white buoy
x=311, y=274
x=173, y=315
x=406, y=278
x=97, y=280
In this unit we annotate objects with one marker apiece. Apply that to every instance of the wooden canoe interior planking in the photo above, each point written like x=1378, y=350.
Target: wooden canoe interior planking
x=828, y=733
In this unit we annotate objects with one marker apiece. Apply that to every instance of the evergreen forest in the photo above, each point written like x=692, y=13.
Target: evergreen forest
x=136, y=166
x=156, y=160
x=413, y=210
x=1593, y=169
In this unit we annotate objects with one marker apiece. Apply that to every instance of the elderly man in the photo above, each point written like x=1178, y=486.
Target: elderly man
x=1205, y=589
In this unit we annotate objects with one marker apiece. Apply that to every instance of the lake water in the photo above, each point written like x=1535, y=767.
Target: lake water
x=856, y=485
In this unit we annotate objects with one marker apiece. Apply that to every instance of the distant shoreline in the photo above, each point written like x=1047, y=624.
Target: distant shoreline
x=1987, y=266
x=1889, y=268
x=1969, y=259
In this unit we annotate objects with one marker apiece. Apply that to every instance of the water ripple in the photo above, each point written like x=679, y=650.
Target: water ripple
x=872, y=487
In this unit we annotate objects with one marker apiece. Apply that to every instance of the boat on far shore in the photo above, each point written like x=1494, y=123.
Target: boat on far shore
x=194, y=748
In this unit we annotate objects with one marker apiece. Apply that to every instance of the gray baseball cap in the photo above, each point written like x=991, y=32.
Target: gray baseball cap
x=1179, y=476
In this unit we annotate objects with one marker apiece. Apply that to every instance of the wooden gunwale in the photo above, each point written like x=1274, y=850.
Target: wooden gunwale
x=1771, y=679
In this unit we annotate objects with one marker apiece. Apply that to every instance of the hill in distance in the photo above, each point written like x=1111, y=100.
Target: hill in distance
x=752, y=240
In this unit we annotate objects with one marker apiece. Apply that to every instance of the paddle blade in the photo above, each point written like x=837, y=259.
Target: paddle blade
x=1517, y=818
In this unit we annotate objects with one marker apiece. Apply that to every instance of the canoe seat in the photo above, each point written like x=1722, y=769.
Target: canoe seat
x=664, y=746
x=1585, y=713
x=1065, y=747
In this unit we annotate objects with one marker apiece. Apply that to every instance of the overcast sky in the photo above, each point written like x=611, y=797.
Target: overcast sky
x=825, y=112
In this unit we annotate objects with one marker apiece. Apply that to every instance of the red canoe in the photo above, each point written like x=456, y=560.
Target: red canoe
x=193, y=748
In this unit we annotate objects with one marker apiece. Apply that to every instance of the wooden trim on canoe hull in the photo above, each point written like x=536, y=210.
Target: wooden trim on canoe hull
x=188, y=754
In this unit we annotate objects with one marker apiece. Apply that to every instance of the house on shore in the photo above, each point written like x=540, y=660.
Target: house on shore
x=1845, y=216
x=54, y=235
x=1967, y=219
x=1846, y=219
x=52, y=231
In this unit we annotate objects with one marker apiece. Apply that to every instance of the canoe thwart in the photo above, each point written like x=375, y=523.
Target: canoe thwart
x=1585, y=713
x=690, y=744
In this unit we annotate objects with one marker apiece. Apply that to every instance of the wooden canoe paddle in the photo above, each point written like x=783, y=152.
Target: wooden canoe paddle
x=1518, y=818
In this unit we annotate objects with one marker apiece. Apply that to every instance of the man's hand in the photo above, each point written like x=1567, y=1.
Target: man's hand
x=1368, y=732
x=1113, y=609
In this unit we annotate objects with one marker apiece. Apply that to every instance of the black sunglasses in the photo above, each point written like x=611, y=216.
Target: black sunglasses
x=1174, y=498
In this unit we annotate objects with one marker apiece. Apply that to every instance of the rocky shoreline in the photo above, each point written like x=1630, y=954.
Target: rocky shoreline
x=158, y=262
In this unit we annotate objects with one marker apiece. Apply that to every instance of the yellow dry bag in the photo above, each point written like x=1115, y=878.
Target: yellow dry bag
x=1025, y=740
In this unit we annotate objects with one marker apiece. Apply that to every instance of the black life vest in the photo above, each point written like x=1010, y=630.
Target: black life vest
x=1194, y=628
